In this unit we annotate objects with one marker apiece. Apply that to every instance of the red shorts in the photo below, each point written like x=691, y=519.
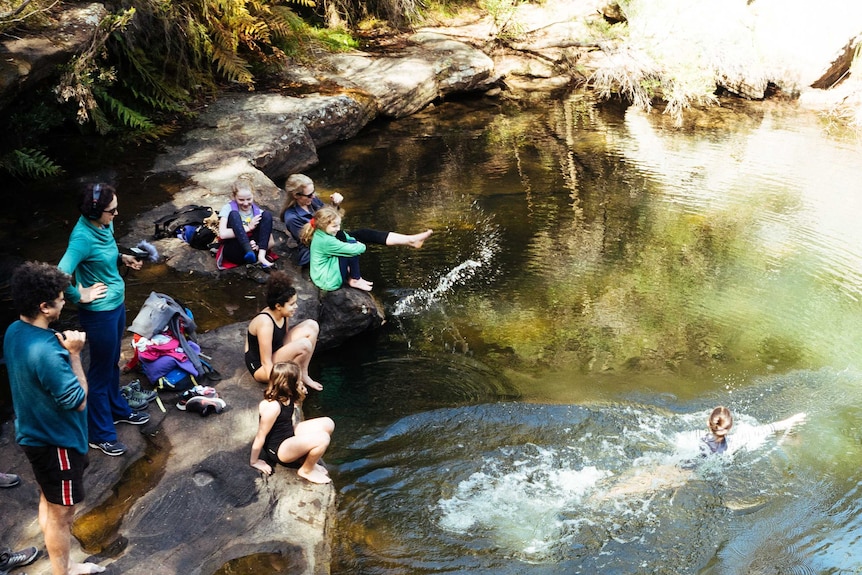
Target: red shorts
x=59, y=472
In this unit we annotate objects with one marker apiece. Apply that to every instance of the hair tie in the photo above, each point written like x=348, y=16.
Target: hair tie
x=311, y=221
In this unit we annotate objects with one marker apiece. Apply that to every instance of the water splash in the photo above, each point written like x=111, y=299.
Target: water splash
x=520, y=500
x=422, y=299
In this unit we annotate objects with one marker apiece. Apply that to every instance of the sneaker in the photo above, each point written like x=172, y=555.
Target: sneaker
x=205, y=405
x=196, y=391
x=9, y=480
x=112, y=448
x=10, y=560
x=135, y=418
x=136, y=396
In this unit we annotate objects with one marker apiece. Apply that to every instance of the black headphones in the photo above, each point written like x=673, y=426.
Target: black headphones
x=93, y=212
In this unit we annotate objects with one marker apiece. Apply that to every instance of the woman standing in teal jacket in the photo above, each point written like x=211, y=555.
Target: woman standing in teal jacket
x=93, y=259
x=333, y=262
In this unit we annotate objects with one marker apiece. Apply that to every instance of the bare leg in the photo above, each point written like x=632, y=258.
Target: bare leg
x=311, y=440
x=299, y=347
x=415, y=240
x=56, y=523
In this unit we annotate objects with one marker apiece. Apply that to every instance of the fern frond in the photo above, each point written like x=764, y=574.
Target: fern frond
x=29, y=163
x=129, y=117
x=231, y=66
x=100, y=121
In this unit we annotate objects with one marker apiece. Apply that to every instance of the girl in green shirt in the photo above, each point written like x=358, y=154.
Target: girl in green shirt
x=334, y=254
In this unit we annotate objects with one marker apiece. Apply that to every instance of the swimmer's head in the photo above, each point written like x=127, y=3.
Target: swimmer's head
x=720, y=421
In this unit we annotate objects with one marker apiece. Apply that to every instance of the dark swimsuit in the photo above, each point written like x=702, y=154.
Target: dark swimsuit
x=282, y=429
x=252, y=356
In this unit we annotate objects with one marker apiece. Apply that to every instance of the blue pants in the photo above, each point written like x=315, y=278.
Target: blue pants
x=349, y=265
x=236, y=248
x=105, y=403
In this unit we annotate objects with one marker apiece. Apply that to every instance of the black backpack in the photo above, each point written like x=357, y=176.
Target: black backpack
x=192, y=216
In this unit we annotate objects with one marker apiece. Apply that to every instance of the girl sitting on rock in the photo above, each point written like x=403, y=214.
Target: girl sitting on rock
x=271, y=340
x=333, y=261
x=244, y=229
x=282, y=436
x=301, y=204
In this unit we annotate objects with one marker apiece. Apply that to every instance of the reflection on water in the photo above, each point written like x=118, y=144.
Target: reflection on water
x=616, y=279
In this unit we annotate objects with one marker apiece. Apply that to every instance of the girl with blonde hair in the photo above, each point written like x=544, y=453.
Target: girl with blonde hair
x=244, y=229
x=333, y=262
x=302, y=203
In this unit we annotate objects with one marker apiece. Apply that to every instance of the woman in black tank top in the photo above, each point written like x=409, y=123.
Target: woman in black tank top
x=280, y=438
x=271, y=340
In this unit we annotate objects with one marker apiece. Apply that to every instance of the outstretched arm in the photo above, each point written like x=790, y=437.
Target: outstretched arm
x=786, y=424
x=268, y=413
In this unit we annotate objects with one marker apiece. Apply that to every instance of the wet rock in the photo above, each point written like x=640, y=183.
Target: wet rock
x=344, y=313
x=188, y=498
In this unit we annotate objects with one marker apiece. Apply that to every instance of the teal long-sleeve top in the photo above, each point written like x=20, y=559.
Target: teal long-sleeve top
x=93, y=256
x=45, y=391
x=325, y=251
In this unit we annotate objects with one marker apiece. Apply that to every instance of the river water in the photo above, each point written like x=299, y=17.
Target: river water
x=596, y=283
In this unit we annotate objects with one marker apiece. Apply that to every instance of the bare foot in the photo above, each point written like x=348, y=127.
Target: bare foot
x=314, y=476
x=313, y=384
x=320, y=468
x=83, y=568
x=261, y=259
x=417, y=240
x=360, y=283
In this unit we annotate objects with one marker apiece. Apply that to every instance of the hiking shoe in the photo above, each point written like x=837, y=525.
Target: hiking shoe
x=196, y=391
x=10, y=560
x=112, y=448
x=136, y=396
x=205, y=405
x=9, y=480
x=150, y=394
x=257, y=273
x=135, y=418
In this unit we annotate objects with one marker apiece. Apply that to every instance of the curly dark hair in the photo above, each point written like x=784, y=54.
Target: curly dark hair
x=34, y=283
x=103, y=194
x=279, y=289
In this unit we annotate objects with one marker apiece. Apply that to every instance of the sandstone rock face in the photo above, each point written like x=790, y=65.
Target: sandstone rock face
x=278, y=135
x=405, y=82
x=31, y=59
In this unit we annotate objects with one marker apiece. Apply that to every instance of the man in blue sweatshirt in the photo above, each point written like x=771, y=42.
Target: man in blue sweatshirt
x=49, y=394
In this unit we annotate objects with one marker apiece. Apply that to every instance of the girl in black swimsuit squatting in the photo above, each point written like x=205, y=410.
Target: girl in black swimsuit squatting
x=281, y=437
x=270, y=338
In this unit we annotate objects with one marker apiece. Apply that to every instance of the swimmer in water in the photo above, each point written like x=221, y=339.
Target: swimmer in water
x=717, y=441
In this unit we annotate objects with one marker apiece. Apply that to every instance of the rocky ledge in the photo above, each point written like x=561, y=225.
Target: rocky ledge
x=184, y=499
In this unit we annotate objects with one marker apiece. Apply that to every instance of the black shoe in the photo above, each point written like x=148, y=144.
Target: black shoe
x=112, y=448
x=135, y=418
x=10, y=560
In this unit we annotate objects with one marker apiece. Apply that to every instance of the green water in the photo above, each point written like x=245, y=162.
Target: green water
x=596, y=282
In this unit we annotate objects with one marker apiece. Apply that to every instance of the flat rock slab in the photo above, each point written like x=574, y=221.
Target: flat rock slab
x=276, y=134
x=188, y=498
